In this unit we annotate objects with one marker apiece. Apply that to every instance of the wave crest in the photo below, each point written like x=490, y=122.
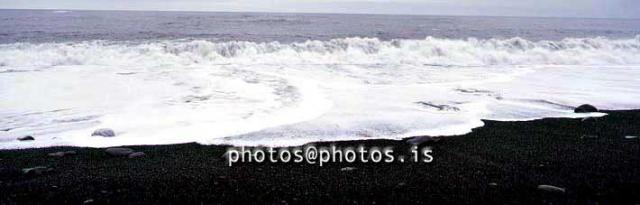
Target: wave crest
x=431, y=51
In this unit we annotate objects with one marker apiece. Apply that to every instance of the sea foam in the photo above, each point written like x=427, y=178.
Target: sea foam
x=278, y=94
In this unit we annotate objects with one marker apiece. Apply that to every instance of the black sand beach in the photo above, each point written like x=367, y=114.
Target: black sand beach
x=500, y=163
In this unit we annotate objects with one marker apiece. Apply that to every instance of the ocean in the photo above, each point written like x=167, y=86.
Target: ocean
x=289, y=79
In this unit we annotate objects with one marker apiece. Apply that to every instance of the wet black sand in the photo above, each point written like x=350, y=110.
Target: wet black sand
x=516, y=156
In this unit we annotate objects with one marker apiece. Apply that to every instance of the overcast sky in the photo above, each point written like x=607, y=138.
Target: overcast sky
x=561, y=8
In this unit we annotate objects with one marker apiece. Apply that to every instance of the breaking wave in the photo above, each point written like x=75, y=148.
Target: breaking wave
x=428, y=51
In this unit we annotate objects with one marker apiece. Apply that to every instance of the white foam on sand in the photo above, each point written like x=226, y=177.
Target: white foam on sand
x=246, y=93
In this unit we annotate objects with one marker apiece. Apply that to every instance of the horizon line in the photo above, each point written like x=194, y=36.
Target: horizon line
x=324, y=13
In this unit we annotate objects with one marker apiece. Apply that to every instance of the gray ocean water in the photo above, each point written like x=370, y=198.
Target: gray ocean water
x=52, y=25
x=290, y=79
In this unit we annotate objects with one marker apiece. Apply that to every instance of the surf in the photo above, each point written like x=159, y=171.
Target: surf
x=281, y=94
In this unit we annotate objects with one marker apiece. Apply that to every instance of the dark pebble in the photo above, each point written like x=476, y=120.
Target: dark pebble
x=586, y=108
x=136, y=155
x=36, y=170
x=26, y=138
x=62, y=154
x=118, y=151
x=105, y=132
x=550, y=188
x=422, y=140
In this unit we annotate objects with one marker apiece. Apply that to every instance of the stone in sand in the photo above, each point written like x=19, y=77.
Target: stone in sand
x=26, y=138
x=586, y=108
x=550, y=188
x=421, y=140
x=118, y=151
x=36, y=170
x=136, y=155
x=62, y=154
x=104, y=132
x=56, y=154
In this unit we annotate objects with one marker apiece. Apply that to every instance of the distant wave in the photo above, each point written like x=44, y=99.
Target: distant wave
x=428, y=51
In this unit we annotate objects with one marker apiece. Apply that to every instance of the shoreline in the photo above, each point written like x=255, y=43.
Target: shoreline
x=587, y=115
x=500, y=162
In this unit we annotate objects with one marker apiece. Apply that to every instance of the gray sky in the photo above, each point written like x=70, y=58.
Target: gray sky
x=562, y=8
